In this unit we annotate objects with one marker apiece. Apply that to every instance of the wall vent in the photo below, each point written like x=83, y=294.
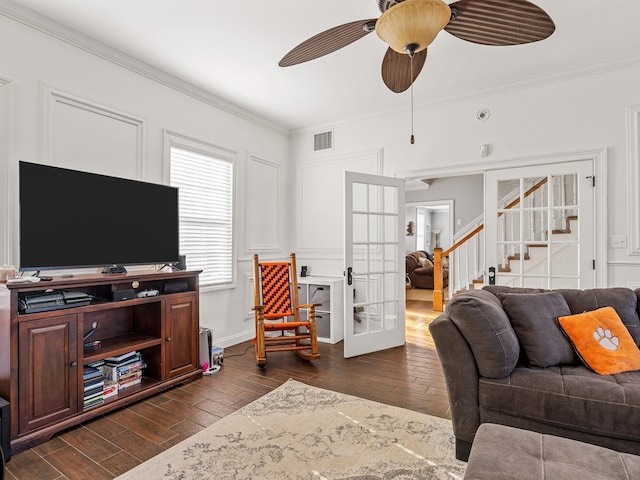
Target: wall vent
x=323, y=141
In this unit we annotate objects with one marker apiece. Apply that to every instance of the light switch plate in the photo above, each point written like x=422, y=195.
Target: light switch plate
x=618, y=241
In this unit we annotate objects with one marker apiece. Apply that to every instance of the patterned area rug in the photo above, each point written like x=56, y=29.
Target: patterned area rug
x=302, y=432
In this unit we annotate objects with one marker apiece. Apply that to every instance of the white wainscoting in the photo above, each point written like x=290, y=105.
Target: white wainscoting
x=264, y=190
x=8, y=251
x=76, y=132
x=320, y=205
x=633, y=166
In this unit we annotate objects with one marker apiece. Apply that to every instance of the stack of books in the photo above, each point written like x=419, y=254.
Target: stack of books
x=110, y=389
x=124, y=370
x=93, y=382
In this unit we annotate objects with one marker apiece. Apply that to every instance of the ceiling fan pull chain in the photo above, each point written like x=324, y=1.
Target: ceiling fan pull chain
x=413, y=140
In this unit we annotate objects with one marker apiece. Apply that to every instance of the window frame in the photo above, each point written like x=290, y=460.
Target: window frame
x=176, y=140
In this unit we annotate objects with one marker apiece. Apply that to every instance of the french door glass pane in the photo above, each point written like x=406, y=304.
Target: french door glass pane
x=564, y=190
x=390, y=228
x=509, y=226
x=565, y=259
x=375, y=228
x=376, y=198
x=360, y=228
x=390, y=315
x=390, y=255
x=536, y=192
x=360, y=259
x=390, y=287
x=390, y=199
x=535, y=226
x=376, y=259
x=508, y=192
x=360, y=197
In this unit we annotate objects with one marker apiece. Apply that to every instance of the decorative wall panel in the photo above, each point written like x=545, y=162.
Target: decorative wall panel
x=82, y=133
x=633, y=159
x=320, y=199
x=264, y=193
x=8, y=251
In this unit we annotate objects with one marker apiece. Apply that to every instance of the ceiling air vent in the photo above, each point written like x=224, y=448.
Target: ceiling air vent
x=323, y=141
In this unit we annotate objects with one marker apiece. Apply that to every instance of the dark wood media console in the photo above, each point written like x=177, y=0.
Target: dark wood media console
x=42, y=355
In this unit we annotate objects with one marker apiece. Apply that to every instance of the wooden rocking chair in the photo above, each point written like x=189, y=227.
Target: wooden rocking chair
x=276, y=300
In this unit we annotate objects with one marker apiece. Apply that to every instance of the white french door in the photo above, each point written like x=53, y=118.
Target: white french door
x=374, y=263
x=540, y=225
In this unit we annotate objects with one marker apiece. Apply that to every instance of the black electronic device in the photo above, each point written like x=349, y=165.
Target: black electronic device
x=175, y=286
x=492, y=275
x=72, y=219
x=120, y=295
x=51, y=300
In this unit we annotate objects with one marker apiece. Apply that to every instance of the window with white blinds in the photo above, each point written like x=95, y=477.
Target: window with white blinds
x=205, y=186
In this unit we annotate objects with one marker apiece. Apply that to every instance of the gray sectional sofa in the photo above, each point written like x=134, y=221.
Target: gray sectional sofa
x=506, y=361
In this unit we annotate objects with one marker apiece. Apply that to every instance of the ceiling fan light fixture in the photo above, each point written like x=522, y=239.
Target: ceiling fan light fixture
x=412, y=22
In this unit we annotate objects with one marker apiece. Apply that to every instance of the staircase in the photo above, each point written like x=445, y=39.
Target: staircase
x=466, y=256
x=535, y=256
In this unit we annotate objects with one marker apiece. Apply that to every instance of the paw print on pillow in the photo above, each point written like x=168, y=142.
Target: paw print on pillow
x=606, y=339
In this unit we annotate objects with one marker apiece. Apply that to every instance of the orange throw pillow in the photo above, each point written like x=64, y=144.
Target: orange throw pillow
x=602, y=341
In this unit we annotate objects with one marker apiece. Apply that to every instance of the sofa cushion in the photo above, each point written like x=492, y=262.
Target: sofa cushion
x=496, y=289
x=484, y=324
x=429, y=255
x=533, y=317
x=570, y=397
x=602, y=341
x=623, y=300
x=425, y=262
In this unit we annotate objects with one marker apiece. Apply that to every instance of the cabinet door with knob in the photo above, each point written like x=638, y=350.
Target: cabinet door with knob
x=48, y=365
x=181, y=343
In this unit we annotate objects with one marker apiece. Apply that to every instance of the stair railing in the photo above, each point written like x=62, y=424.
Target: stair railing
x=466, y=263
x=439, y=254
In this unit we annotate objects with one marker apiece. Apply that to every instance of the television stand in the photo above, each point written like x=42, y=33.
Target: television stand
x=114, y=269
x=43, y=355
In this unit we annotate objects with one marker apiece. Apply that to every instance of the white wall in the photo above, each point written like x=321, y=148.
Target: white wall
x=571, y=112
x=440, y=222
x=466, y=191
x=410, y=215
x=63, y=105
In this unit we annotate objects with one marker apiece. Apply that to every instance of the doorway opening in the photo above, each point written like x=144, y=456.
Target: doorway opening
x=430, y=224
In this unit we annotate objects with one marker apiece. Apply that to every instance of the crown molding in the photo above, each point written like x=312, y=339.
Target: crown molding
x=68, y=35
x=571, y=73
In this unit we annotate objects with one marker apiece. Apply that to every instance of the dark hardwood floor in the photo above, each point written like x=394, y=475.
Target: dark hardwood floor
x=408, y=376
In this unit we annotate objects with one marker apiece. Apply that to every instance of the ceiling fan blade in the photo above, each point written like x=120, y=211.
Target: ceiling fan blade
x=328, y=41
x=499, y=22
x=396, y=69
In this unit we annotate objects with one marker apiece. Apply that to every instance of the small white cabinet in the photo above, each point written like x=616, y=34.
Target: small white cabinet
x=327, y=292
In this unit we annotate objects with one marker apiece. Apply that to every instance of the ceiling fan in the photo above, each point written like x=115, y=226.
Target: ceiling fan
x=409, y=26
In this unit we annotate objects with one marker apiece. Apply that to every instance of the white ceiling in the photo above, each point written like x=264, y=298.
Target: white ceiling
x=232, y=48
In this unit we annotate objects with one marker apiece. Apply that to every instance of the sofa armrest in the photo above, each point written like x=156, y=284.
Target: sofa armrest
x=424, y=271
x=461, y=376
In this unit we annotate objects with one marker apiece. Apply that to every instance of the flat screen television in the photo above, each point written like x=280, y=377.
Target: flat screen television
x=74, y=219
